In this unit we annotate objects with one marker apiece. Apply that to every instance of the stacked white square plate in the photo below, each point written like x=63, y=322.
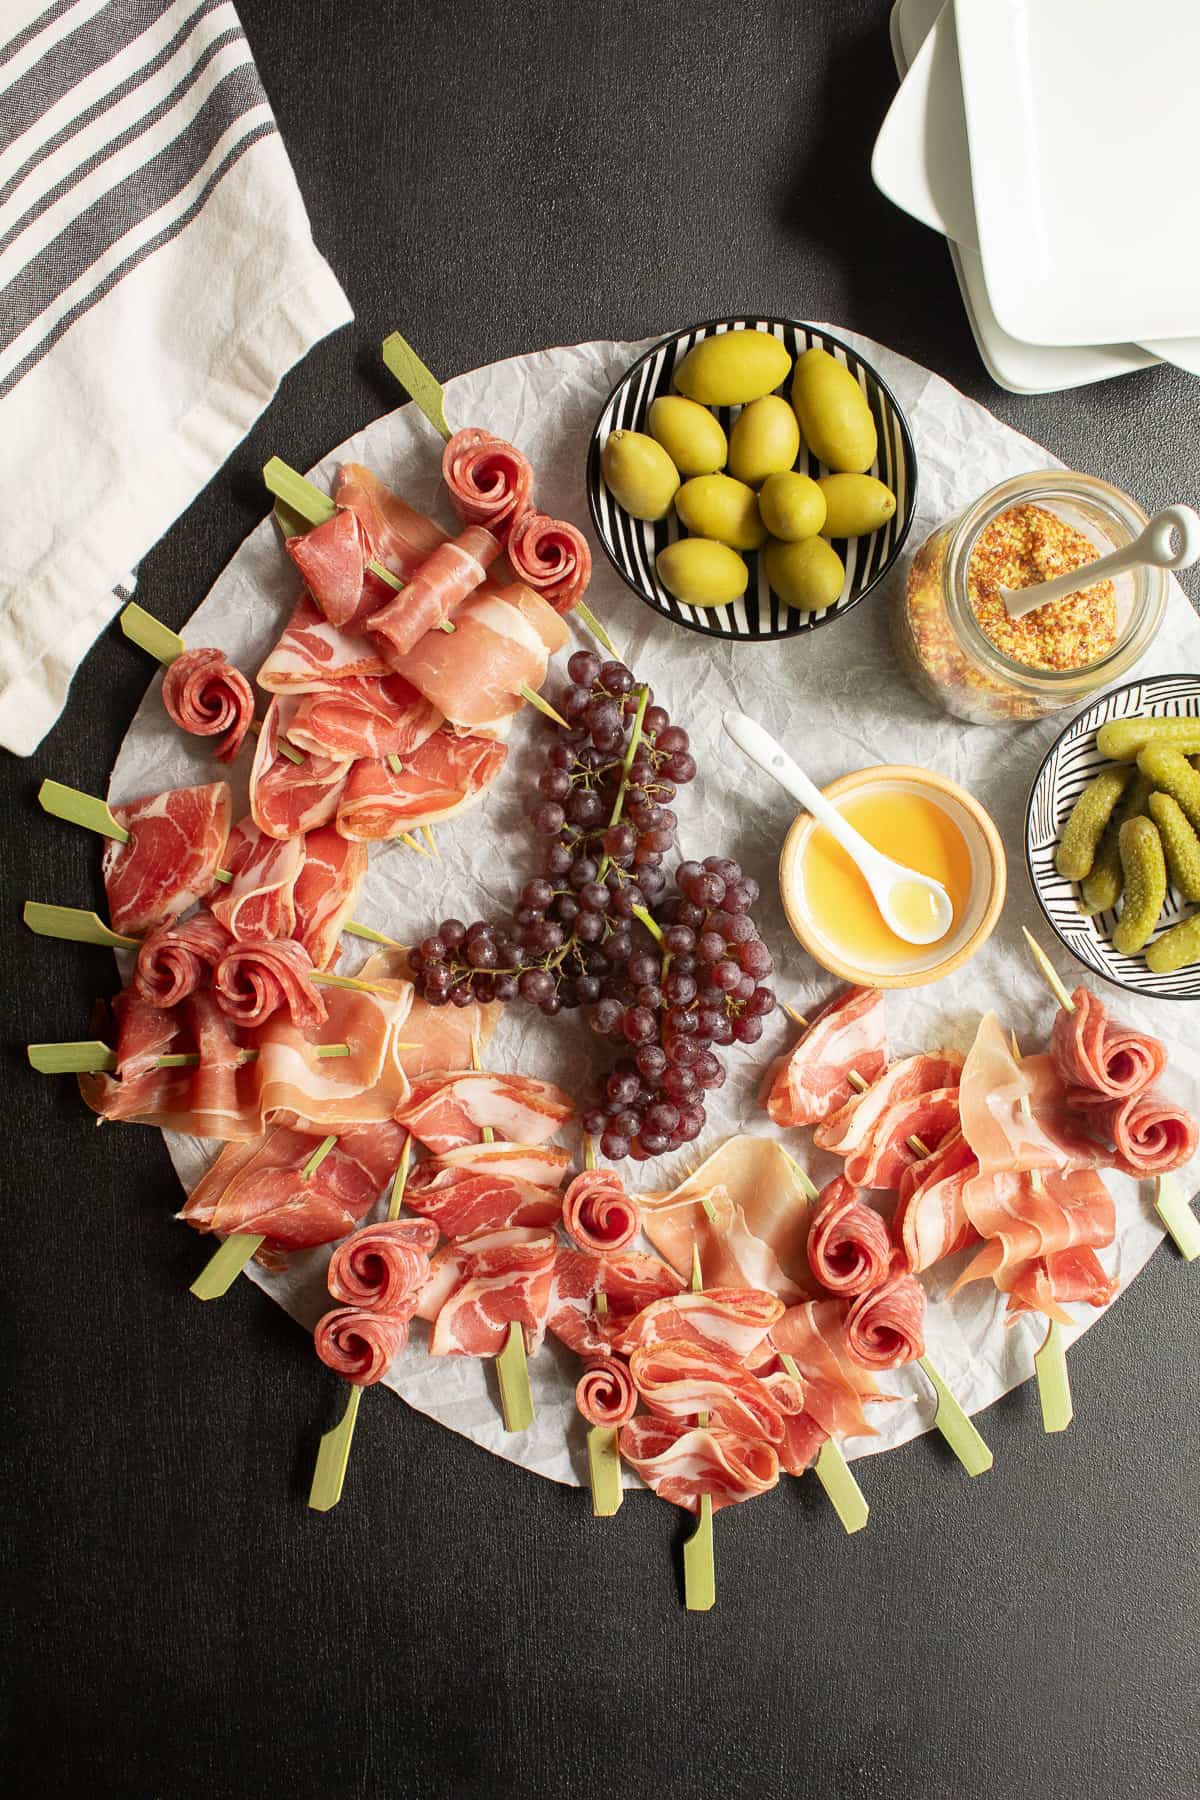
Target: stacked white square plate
x=1052, y=143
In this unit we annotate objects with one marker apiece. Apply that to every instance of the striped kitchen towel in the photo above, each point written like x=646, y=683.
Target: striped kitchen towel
x=157, y=279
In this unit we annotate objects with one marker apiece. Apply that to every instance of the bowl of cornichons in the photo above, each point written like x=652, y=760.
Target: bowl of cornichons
x=1112, y=837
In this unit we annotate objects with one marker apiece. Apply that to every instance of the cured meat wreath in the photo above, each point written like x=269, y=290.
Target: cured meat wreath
x=777, y=1320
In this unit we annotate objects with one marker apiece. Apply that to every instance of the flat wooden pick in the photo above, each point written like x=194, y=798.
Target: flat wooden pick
x=68, y=803
x=400, y=1181
x=149, y=633
x=86, y=1056
x=1171, y=1205
x=372, y=936
x=846, y=1497
x=699, y=1566
x=1048, y=972
x=222, y=1270
x=419, y=380
x=587, y=617
x=1054, y=1382
x=543, y=706
x=604, y=1470
x=954, y=1425
x=332, y=1457
x=74, y=925
x=512, y=1370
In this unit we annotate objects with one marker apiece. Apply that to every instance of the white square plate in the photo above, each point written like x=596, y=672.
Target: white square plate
x=1081, y=121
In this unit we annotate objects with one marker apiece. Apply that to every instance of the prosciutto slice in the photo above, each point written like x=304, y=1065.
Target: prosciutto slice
x=682, y=1463
x=313, y=655
x=176, y=842
x=252, y=981
x=286, y=798
x=597, y=1212
x=1152, y=1135
x=1094, y=1053
x=994, y=1121
x=454, y=1108
x=473, y=675
x=731, y=1322
x=802, y=1436
x=552, y=556
x=871, y=1129
x=487, y=1187
x=758, y=1237
x=260, y=1186
x=400, y=537
x=434, y=592
x=144, y=1032
x=849, y=1246
x=885, y=1328
x=931, y=1220
x=325, y=892
x=258, y=905
x=358, y=1344
x=445, y=775
x=324, y=1094
x=214, y=1100
x=436, y=1037
x=1027, y=1221
x=384, y=1266
x=333, y=559
x=501, y=1278
x=813, y=1080
x=835, y=1385
x=629, y=1282
x=206, y=696
x=366, y=715
x=678, y=1379
x=605, y=1394
x=174, y=960
x=489, y=480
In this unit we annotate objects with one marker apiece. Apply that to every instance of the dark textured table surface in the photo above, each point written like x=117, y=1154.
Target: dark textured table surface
x=495, y=177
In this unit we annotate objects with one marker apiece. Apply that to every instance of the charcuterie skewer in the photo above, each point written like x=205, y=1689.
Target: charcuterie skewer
x=603, y=1441
x=1170, y=1202
x=426, y=390
x=1050, y=1362
x=226, y=1264
x=307, y=502
x=77, y=808
x=512, y=1364
x=699, y=1567
x=333, y=1453
x=92, y=1056
x=954, y=1424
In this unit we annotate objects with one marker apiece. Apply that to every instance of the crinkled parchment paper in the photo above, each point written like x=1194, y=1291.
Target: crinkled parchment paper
x=836, y=699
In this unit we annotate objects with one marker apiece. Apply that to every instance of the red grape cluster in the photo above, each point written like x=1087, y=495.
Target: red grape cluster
x=672, y=973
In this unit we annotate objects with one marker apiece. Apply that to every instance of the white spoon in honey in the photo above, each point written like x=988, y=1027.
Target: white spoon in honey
x=913, y=906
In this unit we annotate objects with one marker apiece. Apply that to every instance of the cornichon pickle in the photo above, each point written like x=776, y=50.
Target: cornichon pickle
x=1171, y=771
x=1083, y=830
x=1102, y=888
x=1124, y=739
x=1180, y=843
x=1176, y=948
x=1145, y=885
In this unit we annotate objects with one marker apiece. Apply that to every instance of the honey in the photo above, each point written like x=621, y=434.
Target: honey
x=911, y=828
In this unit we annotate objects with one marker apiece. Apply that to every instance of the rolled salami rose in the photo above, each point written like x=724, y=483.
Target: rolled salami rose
x=359, y=1344
x=849, y=1248
x=551, y=556
x=174, y=960
x=1151, y=1134
x=489, y=480
x=597, y=1212
x=252, y=981
x=885, y=1328
x=1100, y=1059
x=205, y=695
x=605, y=1394
x=383, y=1267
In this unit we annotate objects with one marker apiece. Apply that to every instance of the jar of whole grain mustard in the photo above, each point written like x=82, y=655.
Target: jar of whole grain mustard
x=954, y=636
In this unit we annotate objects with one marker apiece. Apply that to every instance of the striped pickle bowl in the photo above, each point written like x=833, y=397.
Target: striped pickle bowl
x=760, y=615
x=1070, y=763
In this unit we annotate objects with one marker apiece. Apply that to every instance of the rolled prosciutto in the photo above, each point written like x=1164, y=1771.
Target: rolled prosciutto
x=552, y=556
x=1098, y=1058
x=489, y=480
x=205, y=695
x=175, y=960
x=849, y=1247
x=433, y=594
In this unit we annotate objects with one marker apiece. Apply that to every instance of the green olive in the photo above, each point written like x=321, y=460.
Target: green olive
x=792, y=506
x=689, y=434
x=833, y=413
x=639, y=474
x=855, y=505
x=765, y=440
x=733, y=369
x=808, y=575
x=717, y=506
x=701, y=572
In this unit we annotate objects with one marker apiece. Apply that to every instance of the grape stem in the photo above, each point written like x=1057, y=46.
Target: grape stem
x=631, y=750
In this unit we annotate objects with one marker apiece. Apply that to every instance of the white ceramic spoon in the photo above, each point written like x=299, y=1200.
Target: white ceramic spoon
x=914, y=906
x=1155, y=545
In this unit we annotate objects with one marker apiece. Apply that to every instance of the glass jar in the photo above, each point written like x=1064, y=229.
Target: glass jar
x=956, y=664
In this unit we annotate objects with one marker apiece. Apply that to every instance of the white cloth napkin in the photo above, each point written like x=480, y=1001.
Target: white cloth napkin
x=157, y=280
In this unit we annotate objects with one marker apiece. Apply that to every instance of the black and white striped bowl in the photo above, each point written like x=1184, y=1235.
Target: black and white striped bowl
x=1069, y=765
x=632, y=544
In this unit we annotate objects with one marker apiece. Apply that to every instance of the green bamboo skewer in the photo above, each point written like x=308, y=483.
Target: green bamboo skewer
x=333, y=1453
x=949, y=1418
x=92, y=1056
x=403, y=362
x=699, y=1565
x=223, y=1268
